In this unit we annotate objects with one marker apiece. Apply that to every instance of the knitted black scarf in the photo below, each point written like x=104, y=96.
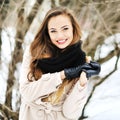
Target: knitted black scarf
x=70, y=57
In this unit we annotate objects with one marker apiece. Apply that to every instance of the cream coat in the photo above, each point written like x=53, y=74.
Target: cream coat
x=32, y=107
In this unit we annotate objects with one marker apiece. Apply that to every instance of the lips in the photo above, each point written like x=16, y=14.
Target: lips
x=61, y=41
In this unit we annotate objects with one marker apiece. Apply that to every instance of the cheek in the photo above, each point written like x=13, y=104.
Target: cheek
x=52, y=37
x=70, y=34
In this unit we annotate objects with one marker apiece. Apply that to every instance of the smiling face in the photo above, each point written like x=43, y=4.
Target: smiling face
x=60, y=31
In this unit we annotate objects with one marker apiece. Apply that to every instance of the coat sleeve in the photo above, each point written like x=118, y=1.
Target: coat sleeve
x=45, y=85
x=75, y=101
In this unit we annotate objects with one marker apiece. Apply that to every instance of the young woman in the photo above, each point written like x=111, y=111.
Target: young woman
x=54, y=74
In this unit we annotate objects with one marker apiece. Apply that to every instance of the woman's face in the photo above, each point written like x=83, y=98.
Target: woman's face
x=60, y=31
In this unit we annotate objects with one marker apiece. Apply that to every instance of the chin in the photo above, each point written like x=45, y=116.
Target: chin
x=62, y=47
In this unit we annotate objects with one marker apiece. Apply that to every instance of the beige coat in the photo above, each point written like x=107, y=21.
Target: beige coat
x=33, y=108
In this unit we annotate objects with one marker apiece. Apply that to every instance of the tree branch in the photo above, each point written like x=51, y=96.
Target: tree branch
x=97, y=84
x=8, y=112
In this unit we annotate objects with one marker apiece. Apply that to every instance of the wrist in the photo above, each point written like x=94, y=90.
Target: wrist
x=83, y=79
x=62, y=74
x=84, y=73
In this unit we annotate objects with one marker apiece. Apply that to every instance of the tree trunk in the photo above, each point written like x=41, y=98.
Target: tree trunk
x=22, y=28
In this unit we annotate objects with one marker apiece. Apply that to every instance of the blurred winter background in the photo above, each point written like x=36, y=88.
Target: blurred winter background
x=100, y=24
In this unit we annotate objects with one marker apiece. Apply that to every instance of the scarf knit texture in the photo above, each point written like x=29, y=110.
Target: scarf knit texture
x=72, y=56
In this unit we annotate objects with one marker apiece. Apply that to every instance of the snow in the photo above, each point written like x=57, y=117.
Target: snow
x=108, y=46
x=6, y=49
x=104, y=104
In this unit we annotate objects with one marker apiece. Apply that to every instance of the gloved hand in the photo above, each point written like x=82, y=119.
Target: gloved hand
x=74, y=72
x=91, y=69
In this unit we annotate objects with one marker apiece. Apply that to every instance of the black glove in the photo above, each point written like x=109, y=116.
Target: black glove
x=74, y=72
x=91, y=69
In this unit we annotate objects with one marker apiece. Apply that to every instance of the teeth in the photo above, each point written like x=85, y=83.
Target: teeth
x=61, y=41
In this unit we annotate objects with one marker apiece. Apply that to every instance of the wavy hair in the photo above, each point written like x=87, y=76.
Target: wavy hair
x=42, y=47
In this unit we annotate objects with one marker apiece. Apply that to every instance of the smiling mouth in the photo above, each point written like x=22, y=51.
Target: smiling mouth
x=61, y=41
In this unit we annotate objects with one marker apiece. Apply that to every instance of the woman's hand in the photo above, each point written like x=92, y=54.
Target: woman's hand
x=83, y=79
x=88, y=59
x=62, y=75
x=74, y=72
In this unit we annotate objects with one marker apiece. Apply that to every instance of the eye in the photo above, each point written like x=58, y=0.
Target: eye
x=53, y=31
x=66, y=28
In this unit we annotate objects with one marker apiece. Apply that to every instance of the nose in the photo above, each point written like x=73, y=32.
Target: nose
x=60, y=36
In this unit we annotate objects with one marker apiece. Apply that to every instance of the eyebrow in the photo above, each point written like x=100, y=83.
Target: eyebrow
x=64, y=26
x=61, y=27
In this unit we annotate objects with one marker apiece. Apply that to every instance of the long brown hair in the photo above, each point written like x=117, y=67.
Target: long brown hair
x=42, y=46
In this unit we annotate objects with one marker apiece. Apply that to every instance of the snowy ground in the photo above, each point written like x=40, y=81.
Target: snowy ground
x=105, y=103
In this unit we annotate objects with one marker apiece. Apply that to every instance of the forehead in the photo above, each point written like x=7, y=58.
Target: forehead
x=58, y=21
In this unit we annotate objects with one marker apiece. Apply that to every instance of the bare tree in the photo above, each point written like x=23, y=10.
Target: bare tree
x=22, y=28
x=99, y=19
x=4, y=6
